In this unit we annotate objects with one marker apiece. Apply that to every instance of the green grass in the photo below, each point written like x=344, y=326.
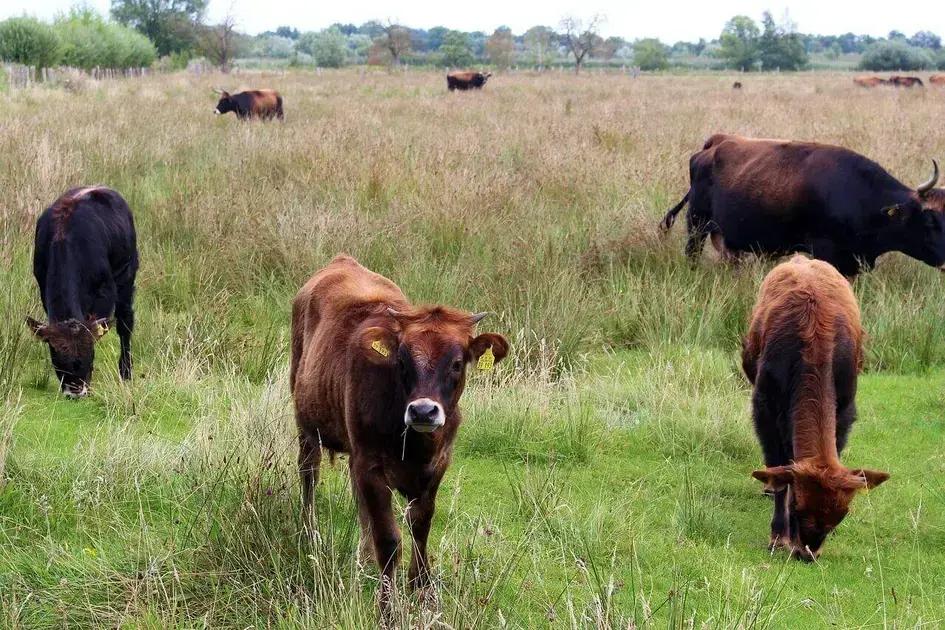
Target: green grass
x=602, y=476
x=622, y=495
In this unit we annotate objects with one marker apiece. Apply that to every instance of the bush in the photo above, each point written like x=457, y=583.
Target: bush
x=88, y=41
x=650, y=54
x=29, y=41
x=895, y=55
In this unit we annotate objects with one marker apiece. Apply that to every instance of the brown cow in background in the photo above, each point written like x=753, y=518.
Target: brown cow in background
x=865, y=81
x=466, y=80
x=265, y=104
x=803, y=352
x=901, y=81
x=937, y=80
x=380, y=379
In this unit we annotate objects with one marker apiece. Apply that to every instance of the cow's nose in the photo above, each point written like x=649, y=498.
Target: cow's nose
x=424, y=415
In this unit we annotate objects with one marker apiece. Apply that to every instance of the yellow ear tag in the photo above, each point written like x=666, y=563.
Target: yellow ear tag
x=380, y=348
x=100, y=330
x=891, y=210
x=486, y=361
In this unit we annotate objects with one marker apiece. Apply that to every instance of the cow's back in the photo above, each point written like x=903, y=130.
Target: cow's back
x=326, y=312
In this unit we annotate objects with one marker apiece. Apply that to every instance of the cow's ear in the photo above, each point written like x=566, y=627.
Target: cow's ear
x=99, y=327
x=869, y=478
x=379, y=345
x=38, y=328
x=775, y=478
x=489, y=341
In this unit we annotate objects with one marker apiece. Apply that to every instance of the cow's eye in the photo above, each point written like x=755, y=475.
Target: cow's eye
x=457, y=366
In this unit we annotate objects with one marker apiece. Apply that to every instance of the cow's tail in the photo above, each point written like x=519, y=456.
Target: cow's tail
x=279, y=113
x=670, y=217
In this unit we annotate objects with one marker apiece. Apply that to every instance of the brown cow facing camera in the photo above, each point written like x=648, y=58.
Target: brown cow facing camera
x=802, y=355
x=380, y=379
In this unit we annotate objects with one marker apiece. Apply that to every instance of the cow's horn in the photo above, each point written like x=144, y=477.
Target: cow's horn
x=929, y=185
x=478, y=317
x=392, y=312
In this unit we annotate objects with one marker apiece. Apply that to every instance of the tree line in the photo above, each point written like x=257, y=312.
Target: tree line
x=176, y=31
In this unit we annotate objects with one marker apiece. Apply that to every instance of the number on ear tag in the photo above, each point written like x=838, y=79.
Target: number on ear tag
x=380, y=348
x=486, y=361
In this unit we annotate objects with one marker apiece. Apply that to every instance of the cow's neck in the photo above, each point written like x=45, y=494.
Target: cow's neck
x=63, y=284
x=815, y=418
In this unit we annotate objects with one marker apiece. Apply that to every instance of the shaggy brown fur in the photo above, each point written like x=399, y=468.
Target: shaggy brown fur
x=803, y=352
x=63, y=207
x=362, y=358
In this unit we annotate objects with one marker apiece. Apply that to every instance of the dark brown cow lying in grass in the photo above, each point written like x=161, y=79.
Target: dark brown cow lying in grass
x=265, y=104
x=466, y=80
x=85, y=261
x=378, y=378
x=802, y=354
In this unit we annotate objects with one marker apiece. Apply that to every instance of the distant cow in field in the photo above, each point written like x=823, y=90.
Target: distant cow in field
x=466, y=80
x=85, y=260
x=776, y=197
x=802, y=354
x=376, y=377
x=865, y=81
x=937, y=80
x=264, y=104
x=900, y=81
x=737, y=85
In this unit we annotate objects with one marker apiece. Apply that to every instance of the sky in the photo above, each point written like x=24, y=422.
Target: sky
x=669, y=20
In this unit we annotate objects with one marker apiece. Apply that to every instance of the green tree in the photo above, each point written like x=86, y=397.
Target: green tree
x=500, y=47
x=650, y=54
x=30, y=42
x=173, y=25
x=456, y=50
x=738, y=44
x=330, y=48
x=779, y=48
x=539, y=44
x=895, y=55
x=89, y=41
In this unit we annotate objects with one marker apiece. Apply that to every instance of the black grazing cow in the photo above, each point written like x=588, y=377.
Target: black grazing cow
x=466, y=80
x=901, y=81
x=85, y=261
x=264, y=104
x=776, y=197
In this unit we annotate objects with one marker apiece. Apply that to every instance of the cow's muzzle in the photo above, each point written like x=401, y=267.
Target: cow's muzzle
x=216, y=111
x=74, y=392
x=424, y=415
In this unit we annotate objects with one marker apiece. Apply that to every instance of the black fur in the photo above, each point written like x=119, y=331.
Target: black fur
x=85, y=261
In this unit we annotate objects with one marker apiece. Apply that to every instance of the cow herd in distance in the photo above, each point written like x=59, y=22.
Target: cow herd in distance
x=379, y=378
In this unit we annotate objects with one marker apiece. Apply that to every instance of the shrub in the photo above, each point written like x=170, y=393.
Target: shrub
x=650, y=54
x=28, y=41
x=895, y=55
x=88, y=41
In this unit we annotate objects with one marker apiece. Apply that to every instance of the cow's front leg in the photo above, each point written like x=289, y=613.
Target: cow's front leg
x=374, y=499
x=420, y=517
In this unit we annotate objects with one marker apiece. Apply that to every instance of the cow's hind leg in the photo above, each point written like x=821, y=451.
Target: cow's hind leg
x=698, y=230
x=310, y=458
x=125, y=321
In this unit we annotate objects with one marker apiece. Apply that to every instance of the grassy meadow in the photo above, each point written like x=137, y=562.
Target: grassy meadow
x=601, y=477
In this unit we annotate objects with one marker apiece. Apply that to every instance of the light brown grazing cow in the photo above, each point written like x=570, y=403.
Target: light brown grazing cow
x=937, y=80
x=264, y=104
x=867, y=81
x=802, y=354
x=380, y=379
